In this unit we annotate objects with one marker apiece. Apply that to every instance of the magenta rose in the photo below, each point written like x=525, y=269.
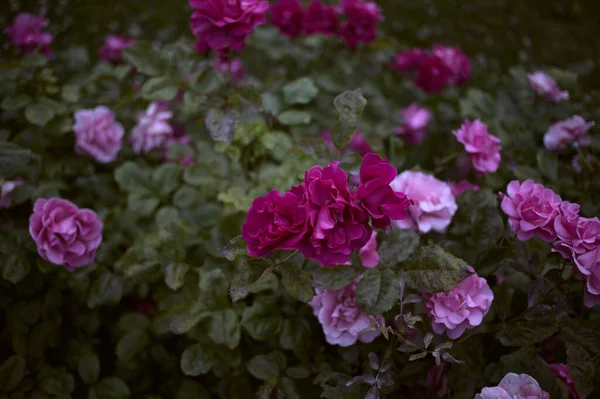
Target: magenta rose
x=98, y=134
x=64, y=234
x=152, y=129
x=27, y=33
x=433, y=203
x=276, y=222
x=531, y=209
x=570, y=132
x=288, y=16
x=545, y=86
x=482, y=147
x=460, y=187
x=338, y=226
x=414, y=124
x=561, y=371
x=6, y=189
x=341, y=317
x=320, y=19
x=408, y=60
x=232, y=68
x=456, y=61
x=362, y=18
x=432, y=74
x=225, y=24
x=376, y=196
x=112, y=50
x=201, y=46
x=514, y=386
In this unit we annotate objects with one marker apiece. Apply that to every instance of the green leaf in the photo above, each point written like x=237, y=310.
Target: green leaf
x=262, y=320
x=225, y=328
x=144, y=58
x=12, y=371
x=185, y=197
x=263, y=367
x=221, y=124
x=300, y=91
x=581, y=368
x=271, y=104
x=52, y=386
x=71, y=93
x=175, y=275
x=13, y=159
x=524, y=333
x=185, y=317
x=295, y=335
x=166, y=177
x=296, y=281
x=334, y=278
x=378, y=290
x=548, y=164
x=130, y=177
x=16, y=268
x=159, y=88
x=397, y=246
x=112, y=388
x=431, y=269
x=288, y=387
x=89, y=368
x=585, y=333
x=15, y=103
x=131, y=344
x=525, y=172
x=191, y=390
x=196, y=361
x=236, y=246
x=292, y=117
x=166, y=217
x=350, y=106
x=477, y=104
x=39, y=114
x=106, y=290
x=248, y=275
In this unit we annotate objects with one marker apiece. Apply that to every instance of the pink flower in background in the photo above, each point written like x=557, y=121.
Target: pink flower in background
x=368, y=254
x=437, y=380
x=276, y=222
x=362, y=18
x=320, y=19
x=64, y=234
x=112, y=51
x=456, y=61
x=408, y=60
x=152, y=129
x=341, y=317
x=98, y=134
x=544, y=85
x=483, y=148
x=514, y=386
x=376, y=196
x=433, y=202
x=6, y=189
x=358, y=144
x=432, y=74
x=414, y=124
x=462, y=308
x=233, y=68
x=567, y=133
x=531, y=209
x=185, y=141
x=27, y=33
x=201, y=45
x=338, y=226
x=225, y=24
x=288, y=16
x=460, y=187
x=561, y=371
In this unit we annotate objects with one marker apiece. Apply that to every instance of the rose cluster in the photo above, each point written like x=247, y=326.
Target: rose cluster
x=482, y=147
x=436, y=67
x=514, y=386
x=534, y=210
x=322, y=217
x=27, y=33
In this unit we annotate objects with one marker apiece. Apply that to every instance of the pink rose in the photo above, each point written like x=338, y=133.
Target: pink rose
x=514, y=386
x=561, y=371
x=288, y=16
x=233, y=68
x=341, y=317
x=338, y=226
x=368, y=254
x=276, y=222
x=362, y=18
x=97, y=134
x=531, y=209
x=570, y=132
x=6, y=189
x=27, y=32
x=433, y=203
x=456, y=61
x=483, y=148
x=185, y=159
x=462, y=308
x=152, y=129
x=376, y=196
x=201, y=45
x=414, y=124
x=320, y=19
x=543, y=85
x=225, y=24
x=460, y=187
x=112, y=51
x=432, y=74
x=358, y=144
x=408, y=60
x=64, y=234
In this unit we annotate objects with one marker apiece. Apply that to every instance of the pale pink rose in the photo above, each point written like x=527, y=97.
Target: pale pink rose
x=341, y=317
x=483, y=148
x=64, y=234
x=433, y=202
x=112, y=50
x=514, y=386
x=414, y=124
x=531, y=209
x=6, y=189
x=152, y=129
x=561, y=371
x=27, y=32
x=98, y=134
x=544, y=85
x=462, y=308
x=570, y=132
x=460, y=187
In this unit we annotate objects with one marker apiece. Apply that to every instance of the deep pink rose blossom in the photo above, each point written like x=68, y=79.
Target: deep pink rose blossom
x=482, y=147
x=152, y=129
x=112, y=51
x=341, y=317
x=230, y=68
x=561, y=371
x=362, y=18
x=460, y=187
x=375, y=194
x=98, y=134
x=570, y=132
x=201, y=45
x=6, y=189
x=320, y=19
x=531, y=209
x=414, y=124
x=544, y=85
x=225, y=24
x=368, y=254
x=514, y=386
x=64, y=234
x=432, y=74
x=27, y=33
x=408, y=60
x=433, y=203
x=457, y=63
x=288, y=16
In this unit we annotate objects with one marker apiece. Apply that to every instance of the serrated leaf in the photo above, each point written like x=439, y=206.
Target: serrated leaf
x=263, y=367
x=225, y=328
x=262, y=320
x=175, y=275
x=334, y=278
x=378, y=290
x=131, y=344
x=397, y=246
x=581, y=369
x=13, y=159
x=248, y=274
x=221, y=124
x=39, y=114
x=528, y=332
x=236, y=246
x=292, y=117
x=144, y=58
x=431, y=269
x=296, y=281
x=195, y=360
x=350, y=106
x=300, y=91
